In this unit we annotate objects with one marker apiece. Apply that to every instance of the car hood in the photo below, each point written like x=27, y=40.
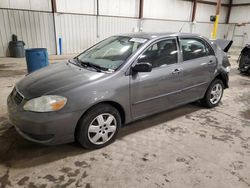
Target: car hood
x=55, y=79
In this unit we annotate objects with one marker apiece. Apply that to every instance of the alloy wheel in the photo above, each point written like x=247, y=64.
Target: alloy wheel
x=216, y=93
x=102, y=128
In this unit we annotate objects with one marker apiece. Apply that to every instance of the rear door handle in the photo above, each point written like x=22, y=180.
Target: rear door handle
x=176, y=71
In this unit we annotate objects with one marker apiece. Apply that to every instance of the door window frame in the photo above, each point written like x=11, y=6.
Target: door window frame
x=153, y=43
x=207, y=45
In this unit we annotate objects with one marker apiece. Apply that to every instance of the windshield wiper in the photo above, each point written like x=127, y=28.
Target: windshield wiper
x=73, y=62
x=92, y=65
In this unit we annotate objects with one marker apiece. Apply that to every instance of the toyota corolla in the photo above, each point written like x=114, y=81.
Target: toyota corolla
x=121, y=79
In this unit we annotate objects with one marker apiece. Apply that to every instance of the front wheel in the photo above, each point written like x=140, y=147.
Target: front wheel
x=214, y=94
x=98, y=127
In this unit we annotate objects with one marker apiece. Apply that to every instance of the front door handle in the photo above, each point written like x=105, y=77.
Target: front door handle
x=210, y=62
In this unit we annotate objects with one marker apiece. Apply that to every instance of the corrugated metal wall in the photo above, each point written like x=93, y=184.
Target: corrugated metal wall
x=168, y=9
x=76, y=21
x=127, y=8
x=39, y=5
x=239, y=15
x=79, y=32
x=209, y=10
x=76, y=6
x=34, y=28
x=150, y=25
x=173, y=26
x=113, y=25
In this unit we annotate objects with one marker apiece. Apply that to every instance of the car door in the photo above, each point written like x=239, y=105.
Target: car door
x=157, y=90
x=198, y=66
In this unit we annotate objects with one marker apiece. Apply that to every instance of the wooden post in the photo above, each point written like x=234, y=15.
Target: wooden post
x=141, y=9
x=194, y=10
x=53, y=5
x=229, y=11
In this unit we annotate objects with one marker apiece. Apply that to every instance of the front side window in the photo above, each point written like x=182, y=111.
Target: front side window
x=112, y=52
x=161, y=53
x=193, y=48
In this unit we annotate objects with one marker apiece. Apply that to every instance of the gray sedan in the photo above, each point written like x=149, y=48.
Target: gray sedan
x=121, y=79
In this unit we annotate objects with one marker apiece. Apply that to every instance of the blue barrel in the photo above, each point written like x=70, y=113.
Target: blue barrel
x=36, y=58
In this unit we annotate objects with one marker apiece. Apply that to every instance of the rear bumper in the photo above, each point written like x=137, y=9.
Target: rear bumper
x=46, y=128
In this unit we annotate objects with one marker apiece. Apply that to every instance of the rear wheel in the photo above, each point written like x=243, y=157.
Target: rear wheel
x=214, y=94
x=98, y=127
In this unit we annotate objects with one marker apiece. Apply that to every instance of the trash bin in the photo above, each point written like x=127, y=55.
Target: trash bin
x=16, y=48
x=36, y=58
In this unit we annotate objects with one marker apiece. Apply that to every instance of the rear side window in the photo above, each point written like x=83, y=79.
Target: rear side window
x=161, y=53
x=193, y=48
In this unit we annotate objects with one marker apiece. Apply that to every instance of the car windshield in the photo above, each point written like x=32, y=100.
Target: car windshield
x=111, y=52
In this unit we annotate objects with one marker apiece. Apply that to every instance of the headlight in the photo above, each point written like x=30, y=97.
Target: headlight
x=228, y=69
x=46, y=103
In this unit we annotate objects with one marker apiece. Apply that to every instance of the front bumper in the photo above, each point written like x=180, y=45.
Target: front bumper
x=47, y=128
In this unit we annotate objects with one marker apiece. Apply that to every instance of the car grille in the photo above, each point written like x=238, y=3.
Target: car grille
x=17, y=97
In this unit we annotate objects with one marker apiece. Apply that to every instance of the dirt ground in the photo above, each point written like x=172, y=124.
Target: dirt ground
x=189, y=146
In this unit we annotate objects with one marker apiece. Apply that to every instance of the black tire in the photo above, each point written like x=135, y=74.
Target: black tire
x=248, y=71
x=206, y=100
x=82, y=134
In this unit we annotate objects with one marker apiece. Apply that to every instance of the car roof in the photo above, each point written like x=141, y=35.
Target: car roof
x=153, y=35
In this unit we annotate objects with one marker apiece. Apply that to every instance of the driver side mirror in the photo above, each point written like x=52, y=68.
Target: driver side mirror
x=142, y=67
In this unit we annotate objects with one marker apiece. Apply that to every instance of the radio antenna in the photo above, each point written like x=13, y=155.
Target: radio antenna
x=182, y=27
